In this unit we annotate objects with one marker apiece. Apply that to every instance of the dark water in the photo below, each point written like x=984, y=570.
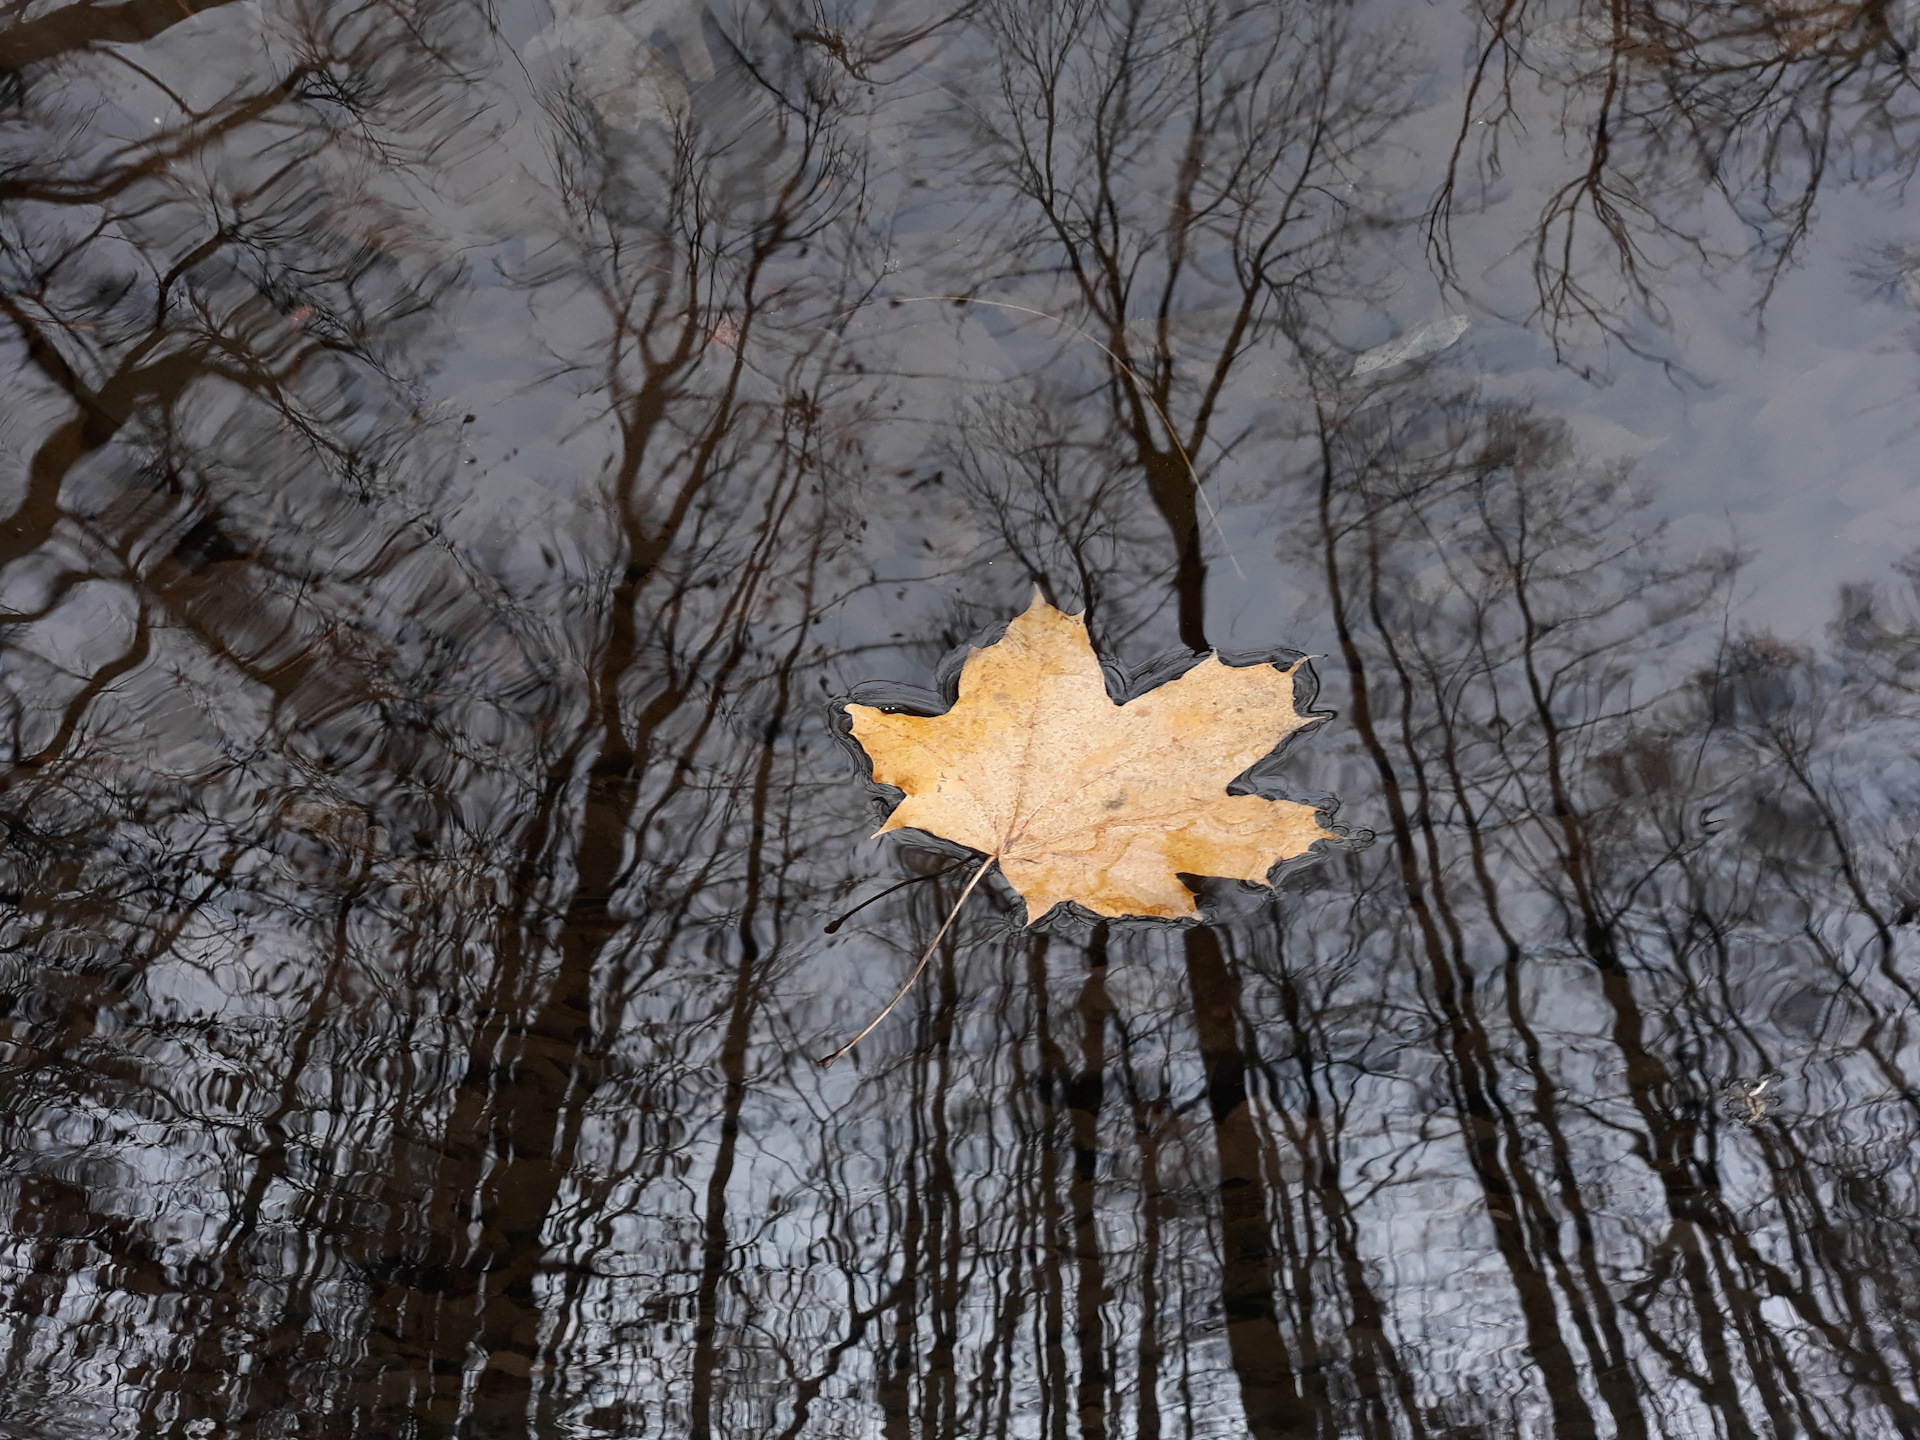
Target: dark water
x=454, y=457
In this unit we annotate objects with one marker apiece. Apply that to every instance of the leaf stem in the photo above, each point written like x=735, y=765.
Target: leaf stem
x=925, y=956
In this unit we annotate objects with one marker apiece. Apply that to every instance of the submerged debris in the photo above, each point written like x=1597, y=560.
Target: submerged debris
x=1428, y=339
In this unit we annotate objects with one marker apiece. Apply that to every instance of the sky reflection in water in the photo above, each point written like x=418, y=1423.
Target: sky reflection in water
x=456, y=457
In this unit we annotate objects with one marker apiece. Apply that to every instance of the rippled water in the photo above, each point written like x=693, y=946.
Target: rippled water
x=459, y=457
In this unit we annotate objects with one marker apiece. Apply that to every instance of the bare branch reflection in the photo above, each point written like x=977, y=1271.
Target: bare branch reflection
x=430, y=857
x=1755, y=109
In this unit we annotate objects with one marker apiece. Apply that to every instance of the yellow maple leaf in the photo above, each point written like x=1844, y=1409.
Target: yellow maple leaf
x=1076, y=797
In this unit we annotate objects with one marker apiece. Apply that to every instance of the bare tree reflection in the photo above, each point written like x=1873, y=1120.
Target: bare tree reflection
x=1188, y=173
x=1755, y=107
x=414, y=930
x=1590, y=790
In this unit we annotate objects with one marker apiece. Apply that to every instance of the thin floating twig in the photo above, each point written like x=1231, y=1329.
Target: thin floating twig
x=834, y=926
x=925, y=956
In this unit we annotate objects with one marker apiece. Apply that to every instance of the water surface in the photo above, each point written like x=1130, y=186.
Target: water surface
x=458, y=457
